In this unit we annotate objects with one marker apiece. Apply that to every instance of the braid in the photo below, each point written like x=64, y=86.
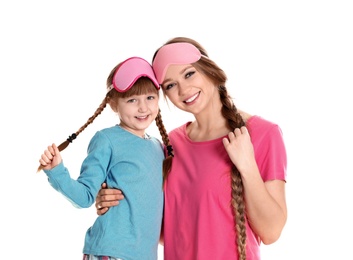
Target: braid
x=99, y=110
x=234, y=120
x=167, y=163
x=72, y=137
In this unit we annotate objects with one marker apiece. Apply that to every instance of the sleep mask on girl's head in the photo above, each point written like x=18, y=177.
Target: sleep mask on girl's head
x=174, y=53
x=129, y=71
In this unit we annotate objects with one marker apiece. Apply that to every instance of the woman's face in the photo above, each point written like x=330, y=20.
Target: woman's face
x=188, y=89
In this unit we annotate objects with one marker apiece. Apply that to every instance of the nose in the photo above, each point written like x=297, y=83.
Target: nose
x=143, y=106
x=182, y=88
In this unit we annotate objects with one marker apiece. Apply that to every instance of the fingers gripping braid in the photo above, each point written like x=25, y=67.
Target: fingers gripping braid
x=72, y=137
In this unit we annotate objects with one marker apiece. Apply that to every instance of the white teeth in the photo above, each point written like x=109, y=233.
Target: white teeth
x=192, y=98
x=141, y=117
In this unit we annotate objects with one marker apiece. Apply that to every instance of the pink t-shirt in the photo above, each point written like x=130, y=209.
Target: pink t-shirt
x=198, y=218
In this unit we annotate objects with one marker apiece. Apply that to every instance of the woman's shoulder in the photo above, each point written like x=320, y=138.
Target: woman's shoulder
x=180, y=128
x=259, y=121
x=260, y=127
x=179, y=132
x=252, y=120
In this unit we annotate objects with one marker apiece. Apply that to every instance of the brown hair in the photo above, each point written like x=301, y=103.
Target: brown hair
x=142, y=86
x=234, y=120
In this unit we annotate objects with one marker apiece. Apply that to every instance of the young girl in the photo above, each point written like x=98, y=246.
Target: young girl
x=125, y=157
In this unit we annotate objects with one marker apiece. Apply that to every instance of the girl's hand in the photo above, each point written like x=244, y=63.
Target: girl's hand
x=50, y=158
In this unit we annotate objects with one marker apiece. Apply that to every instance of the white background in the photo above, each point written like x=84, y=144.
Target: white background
x=288, y=61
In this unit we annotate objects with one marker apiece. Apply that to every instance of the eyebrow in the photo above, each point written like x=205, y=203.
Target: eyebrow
x=180, y=73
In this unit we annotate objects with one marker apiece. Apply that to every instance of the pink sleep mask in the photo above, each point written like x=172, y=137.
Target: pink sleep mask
x=129, y=71
x=174, y=53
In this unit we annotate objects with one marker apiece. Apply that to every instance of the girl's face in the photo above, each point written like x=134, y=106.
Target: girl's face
x=188, y=89
x=137, y=112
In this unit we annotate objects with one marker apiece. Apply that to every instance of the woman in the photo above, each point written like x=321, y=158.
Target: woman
x=225, y=192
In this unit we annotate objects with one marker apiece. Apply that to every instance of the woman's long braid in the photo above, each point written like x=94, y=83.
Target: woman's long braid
x=234, y=120
x=72, y=137
x=167, y=163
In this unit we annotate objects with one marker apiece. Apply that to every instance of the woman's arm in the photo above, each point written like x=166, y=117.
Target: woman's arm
x=266, y=208
x=107, y=198
x=265, y=202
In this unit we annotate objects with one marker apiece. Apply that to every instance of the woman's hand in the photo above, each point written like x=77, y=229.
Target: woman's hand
x=107, y=198
x=240, y=149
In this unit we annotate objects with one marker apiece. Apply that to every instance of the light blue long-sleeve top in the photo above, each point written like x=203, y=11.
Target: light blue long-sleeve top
x=124, y=161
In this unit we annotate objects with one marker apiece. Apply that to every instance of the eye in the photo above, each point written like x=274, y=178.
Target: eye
x=132, y=100
x=169, y=86
x=151, y=97
x=189, y=74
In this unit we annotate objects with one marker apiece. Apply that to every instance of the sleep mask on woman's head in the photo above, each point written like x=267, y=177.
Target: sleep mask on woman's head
x=174, y=53
x=129, y=71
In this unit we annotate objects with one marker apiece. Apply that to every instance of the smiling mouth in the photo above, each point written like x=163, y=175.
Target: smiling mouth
x=141, y=117
x=191, y=99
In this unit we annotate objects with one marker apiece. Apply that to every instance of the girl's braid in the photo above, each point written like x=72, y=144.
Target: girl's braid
x=72, y=137
x=99, y=110
x=167, y=163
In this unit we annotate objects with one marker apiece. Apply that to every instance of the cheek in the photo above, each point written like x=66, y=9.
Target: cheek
x=155, y=106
